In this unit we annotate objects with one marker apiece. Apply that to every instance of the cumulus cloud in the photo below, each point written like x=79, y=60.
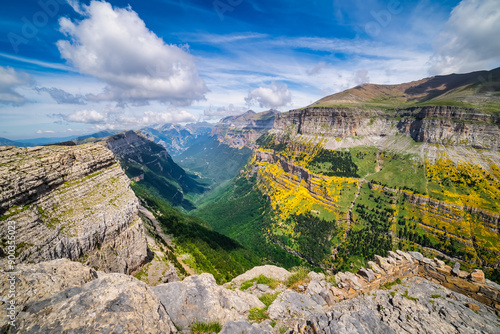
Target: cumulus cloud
x=274, y=96
x=115, y=46
x=46, y=131
x=469, y=40
x=61, y=96
x=220, y=112
x=84, y=116
x=112, y=118
x=9, y=81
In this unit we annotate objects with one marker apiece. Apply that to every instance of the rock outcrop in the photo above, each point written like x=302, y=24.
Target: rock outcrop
x=418, y=295
x=270, y=271
x=70, y=202
x=200, y=299
x=67, y=297
x=415, y=306
x=435, y=124
x=149, y=163
x=243, y=130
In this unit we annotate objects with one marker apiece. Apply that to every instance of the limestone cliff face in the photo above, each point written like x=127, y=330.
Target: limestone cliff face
x=433, y=124
x=243, y=130
x=70, y=202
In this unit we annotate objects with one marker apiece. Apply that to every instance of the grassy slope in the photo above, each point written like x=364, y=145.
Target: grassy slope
x=203, y=249
x=241, y=212
x=385, y=219
x=471, y=90
x=163, y=177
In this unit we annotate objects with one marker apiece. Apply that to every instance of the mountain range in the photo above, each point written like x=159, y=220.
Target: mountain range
x=376, y=209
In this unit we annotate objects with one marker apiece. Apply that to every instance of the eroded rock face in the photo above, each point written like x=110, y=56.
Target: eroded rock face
x=199, y=298
x=71, y=202
x=40, y=281
x=291, y=304
x=65, y=296
x=433, y=124
x=418, y=306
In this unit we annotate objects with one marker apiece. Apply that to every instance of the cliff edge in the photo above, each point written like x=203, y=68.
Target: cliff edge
x=70, y=202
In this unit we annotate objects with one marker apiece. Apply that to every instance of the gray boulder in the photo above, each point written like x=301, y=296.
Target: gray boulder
x=112, y=303
x=199, y=298
x=367, y=274
x=385, y=311
x=242, y=327
x=270, y=271
x=291, y=304
x=416, y=255
x=456, y=269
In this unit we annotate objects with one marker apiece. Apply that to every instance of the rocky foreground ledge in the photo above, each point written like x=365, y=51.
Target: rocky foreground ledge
x=395, y=295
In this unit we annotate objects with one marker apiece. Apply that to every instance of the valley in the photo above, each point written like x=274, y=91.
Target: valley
x=368, y=189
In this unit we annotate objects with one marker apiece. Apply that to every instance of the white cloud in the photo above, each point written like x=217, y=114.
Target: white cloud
x=470, y=39
x=115, y=46
x=274, y=96
x=10, y=79
x=46, y=131
x=220, y=112
x=115, y=118
x=85, y=116
x=75, y=4
x=151, y=117
x=61, y=96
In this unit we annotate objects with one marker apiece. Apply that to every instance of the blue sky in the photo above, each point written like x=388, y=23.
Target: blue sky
x=70, y=67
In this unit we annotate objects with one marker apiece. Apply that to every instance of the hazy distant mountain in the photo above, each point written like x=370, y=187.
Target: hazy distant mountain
x=97, y=135
x=8, y=142
x=177, y=138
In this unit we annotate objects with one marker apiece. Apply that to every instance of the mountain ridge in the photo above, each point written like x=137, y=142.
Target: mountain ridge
x=479, y=89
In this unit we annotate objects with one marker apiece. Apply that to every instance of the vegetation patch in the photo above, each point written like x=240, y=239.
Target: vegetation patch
x=409, y=297
x=333, y=163
x=208, y=250
x=272, y=283
x=298, y=277
x=201, y=327
x=389, y=285
x=269, y=298
x=242, y=212
x=258, y=314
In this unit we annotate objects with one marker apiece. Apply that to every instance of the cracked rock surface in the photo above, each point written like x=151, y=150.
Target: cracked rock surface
x=416, y=306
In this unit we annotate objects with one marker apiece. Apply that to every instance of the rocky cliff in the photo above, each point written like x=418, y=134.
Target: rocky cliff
x=150, y=164
x=70, y=202
x=399, y=293
x=433, y=124
x=243, y=130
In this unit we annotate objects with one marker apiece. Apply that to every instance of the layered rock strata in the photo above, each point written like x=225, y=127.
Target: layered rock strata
x=435, y=124
x=70, y=202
